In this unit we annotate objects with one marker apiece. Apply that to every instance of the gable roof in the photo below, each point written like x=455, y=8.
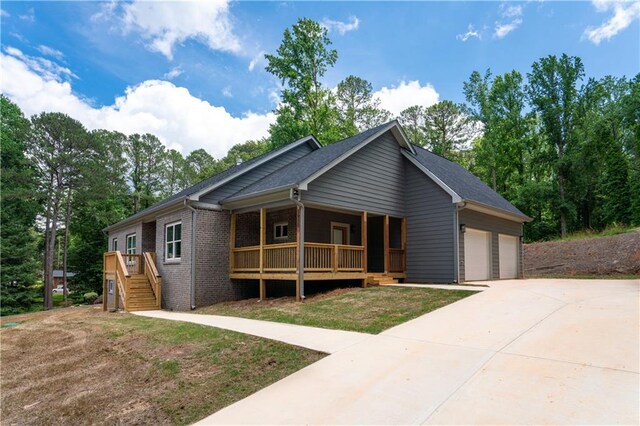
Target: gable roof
x=312, y=165
x=461, y=182
x=215, y=181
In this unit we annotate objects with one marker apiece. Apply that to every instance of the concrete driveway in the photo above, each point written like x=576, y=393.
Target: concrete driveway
x=533, y=351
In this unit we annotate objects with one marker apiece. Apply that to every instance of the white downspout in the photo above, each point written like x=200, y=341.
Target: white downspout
x=192, y=282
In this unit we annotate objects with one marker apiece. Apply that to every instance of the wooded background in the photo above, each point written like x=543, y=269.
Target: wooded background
x=559, y=145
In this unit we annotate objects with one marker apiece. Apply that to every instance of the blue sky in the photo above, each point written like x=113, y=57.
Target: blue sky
x=193, y=73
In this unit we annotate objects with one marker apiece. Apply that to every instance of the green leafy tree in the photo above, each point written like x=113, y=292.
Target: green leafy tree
x=449, y=130
x=175, y=173
x=200, y=165
x=357, y=108
x=19, y=207
x=307, y=106
x=553, y=93
x=412, y=120
x=145, y=156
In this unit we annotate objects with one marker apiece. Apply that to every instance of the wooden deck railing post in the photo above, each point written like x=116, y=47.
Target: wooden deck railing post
x=232, y=242
x=404, y=244
x=386, y=243
x=335, y=258
x=263, y=239
x=363, y=225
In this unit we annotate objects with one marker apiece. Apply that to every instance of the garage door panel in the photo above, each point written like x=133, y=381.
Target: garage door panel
x=477, y=257
x=508, y=249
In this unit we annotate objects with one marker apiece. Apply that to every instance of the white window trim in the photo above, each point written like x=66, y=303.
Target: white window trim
x=342, y=225
x=275, y=226
x=135, y=247
x=174, y=241
x=114, y=244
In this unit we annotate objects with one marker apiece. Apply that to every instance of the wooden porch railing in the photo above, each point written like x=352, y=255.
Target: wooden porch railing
x=121, y=268
x=318, y=257
x=396, y=260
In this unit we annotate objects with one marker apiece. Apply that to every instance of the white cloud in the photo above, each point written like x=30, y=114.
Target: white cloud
x=258, y=59
x=173, y=73
x=44, y=67
x=341, y=27
x=624, y=13
x=50, y=51
x=4, y=13
x=226, y=92
x=30, y=16
x=165, y=24
x=471, y=33
x=512, y=15
x=406, y=94
x=501, y=30
x=178, y=118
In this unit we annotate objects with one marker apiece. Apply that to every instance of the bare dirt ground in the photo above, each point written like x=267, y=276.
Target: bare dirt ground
x=614, y=255
x=81, y=366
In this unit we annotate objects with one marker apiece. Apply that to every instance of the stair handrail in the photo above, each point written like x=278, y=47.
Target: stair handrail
x=154, y=278
x=122, y=276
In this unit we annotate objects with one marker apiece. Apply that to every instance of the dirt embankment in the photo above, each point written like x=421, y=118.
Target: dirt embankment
x=615, y=255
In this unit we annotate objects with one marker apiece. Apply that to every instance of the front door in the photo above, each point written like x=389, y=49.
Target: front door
x=339, y=233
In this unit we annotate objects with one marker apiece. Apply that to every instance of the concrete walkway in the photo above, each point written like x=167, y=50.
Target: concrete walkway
x=519, y=352
x=480, y=287
x=319, y=339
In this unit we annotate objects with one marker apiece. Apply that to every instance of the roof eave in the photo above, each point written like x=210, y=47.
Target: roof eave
x=495, y=211
x=455, y=198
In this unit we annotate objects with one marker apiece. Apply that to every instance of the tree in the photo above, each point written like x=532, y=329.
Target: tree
x=412, y=120
x=57, y=147
x=358, y=110
x=307, y=106
x=448, y=129
x=145, y=156
x=553, y=94
x=200, y=165
x=175, y=173
x=18, y=207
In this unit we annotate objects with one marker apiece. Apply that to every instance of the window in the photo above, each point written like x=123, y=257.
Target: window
x=110, y=286
x=131, y=244
x=340, y=233
x=173, y=241
x=281, y=231
x=114, y=244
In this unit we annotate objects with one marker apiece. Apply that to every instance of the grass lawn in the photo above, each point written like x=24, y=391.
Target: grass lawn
x=80, y=366
x=368, y=310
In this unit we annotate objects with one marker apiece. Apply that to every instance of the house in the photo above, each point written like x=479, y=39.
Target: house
x=372, y=208
x=58, y=277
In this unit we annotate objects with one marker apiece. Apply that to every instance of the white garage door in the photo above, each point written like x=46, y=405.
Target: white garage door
x=508, y=248
x=476, y=255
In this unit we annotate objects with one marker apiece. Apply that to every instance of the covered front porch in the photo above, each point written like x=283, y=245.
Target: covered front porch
x=297, y=243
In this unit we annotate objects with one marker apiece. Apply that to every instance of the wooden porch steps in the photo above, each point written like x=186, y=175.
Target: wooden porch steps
x=380, y=279
x=141, y=295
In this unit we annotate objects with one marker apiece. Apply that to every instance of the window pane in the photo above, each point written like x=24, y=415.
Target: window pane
x=277, y=231
x=178, y=249
x=285, y=230
x=169, y=250
x=178, y=231
x=169, y=233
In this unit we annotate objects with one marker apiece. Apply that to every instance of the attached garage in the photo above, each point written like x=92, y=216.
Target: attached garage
x=508, y=249
x=477, y=255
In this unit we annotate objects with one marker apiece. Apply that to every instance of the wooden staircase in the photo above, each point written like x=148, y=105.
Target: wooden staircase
x=380, y=279
x=140, y=296
x=138, y=285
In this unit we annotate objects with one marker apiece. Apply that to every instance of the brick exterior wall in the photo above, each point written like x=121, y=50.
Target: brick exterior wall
x=248, y=229
x=212, y=284
x=148, y=232
x=287, y=216
x=176, y=275
x=121, y=235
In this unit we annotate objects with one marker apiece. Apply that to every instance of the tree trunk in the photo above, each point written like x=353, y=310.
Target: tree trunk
x=46, y=274
x=49, y=253
x=493, y=179
x=563, y=218
x=67, y=221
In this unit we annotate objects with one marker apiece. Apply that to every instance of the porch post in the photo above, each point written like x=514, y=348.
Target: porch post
x=363, y=241
x=386, y=244
x=232, y=242
x=299, y=252
x=404, y=244
x=104, y=282
x=263, y=238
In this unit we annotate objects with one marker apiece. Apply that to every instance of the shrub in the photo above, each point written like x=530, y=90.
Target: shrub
x=90, y=297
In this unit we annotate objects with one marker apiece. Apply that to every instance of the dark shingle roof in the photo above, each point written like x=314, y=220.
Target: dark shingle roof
x=296, y=172
x=463, y=182
x=203, y=184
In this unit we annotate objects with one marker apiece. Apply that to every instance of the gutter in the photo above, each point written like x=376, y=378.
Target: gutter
x=194, y=221
x=294, y=195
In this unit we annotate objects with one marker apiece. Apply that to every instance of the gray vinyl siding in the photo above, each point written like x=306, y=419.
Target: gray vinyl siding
x=255, y=175
x=430, y=234
x=495, y=225
x=369, y=180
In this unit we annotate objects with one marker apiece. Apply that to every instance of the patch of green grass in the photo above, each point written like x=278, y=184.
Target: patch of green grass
x=589, y=233
x=369, y=310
